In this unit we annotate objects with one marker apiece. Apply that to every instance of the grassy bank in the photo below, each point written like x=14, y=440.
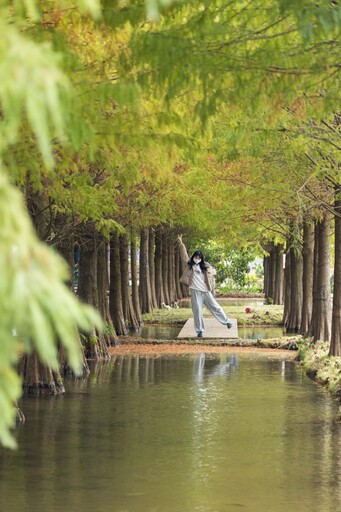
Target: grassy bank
x=284, y=343
x=259, y=315
x=320, y=366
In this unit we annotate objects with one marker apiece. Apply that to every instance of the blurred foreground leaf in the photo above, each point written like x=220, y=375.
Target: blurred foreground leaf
x=37, y=309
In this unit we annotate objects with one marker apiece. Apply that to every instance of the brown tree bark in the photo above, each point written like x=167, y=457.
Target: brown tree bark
x=158, y=268
x=165, y=268
x=335, y=345
x=151, y=261
x=128, y=309
x=279, y=274
x=315, y=279
x=103, y=290
x=94, y=342
x=44, y=221
x=134, y=279
x=178, y=272
x=273, y=273
x=321, y=313
x=267, y=277
x=293, y=320
x=39, y=379
x=144, y=282
x=124, y=271
x=66, y=249
x=39, y=208
x=308, y=275
x=287, y=291
x=115, y=295
x=171, y=272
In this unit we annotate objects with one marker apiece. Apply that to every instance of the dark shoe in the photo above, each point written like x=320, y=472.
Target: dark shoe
x=229, y=325
x=200, y=334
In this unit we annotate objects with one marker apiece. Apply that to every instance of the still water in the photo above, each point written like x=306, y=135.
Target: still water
x=169, y=332
x=199, y=433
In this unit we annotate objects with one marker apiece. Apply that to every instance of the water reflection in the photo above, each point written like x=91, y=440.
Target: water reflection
x=261, y=332
x=159, y=332
x=169, y=332
x=141, y=370
x=207, y=366
x=211, y=433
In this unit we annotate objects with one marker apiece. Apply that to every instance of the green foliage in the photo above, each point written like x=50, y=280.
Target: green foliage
x=200, y=114
x=33, y=88
x=246, y=53
x=239, y=266
x=232, y=266
x=37, y=309
x=318, y=364
x=216, y=255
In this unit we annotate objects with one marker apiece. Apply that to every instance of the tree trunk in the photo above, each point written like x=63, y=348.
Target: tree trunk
x=38, y=208
x=335, y=345
x=273, y=274
x=151, y=260
x=321, y=315
x=66, y=249
x=115, y=296
x=287, y=291
x=158, y=268
x=278, y=274
x=267, y=271
x=95, y=343
x=315, y=279
x=178, y=272
x=165, y=271
x=134, y=280
x=293, y=321
x=308, y=275
x=124, y=272
x=267, y=276
x=128, y=309
x=39, y=379
x=171, y=272
x=144, y=288
x=103, y=290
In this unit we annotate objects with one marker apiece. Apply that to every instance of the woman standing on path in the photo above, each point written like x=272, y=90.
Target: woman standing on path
x=198, y=275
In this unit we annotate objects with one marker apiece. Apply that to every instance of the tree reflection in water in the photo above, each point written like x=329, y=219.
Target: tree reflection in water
x=208, y=366
x=140, y=427
x=153, y=369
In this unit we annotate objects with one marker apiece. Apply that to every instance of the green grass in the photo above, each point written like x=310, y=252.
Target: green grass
x=320, y=366
x=260, y=315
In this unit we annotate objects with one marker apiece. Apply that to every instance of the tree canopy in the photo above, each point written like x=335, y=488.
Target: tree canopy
x=220, y=118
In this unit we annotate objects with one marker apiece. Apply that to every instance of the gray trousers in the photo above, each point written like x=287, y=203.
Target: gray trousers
x=201, y=299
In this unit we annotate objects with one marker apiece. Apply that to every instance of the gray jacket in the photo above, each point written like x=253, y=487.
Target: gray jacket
x=187, y=275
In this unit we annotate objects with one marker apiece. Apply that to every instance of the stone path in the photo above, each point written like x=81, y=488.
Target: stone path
x=213, y=329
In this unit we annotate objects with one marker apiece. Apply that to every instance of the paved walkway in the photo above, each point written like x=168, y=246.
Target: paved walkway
x=213, y=329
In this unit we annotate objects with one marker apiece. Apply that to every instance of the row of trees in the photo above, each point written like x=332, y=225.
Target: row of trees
x=219, y=121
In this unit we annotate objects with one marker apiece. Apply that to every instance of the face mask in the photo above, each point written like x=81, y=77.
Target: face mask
x=197, y=260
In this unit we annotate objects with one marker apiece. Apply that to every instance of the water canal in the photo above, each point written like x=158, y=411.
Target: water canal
x=169, y=332
x=191, y=433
